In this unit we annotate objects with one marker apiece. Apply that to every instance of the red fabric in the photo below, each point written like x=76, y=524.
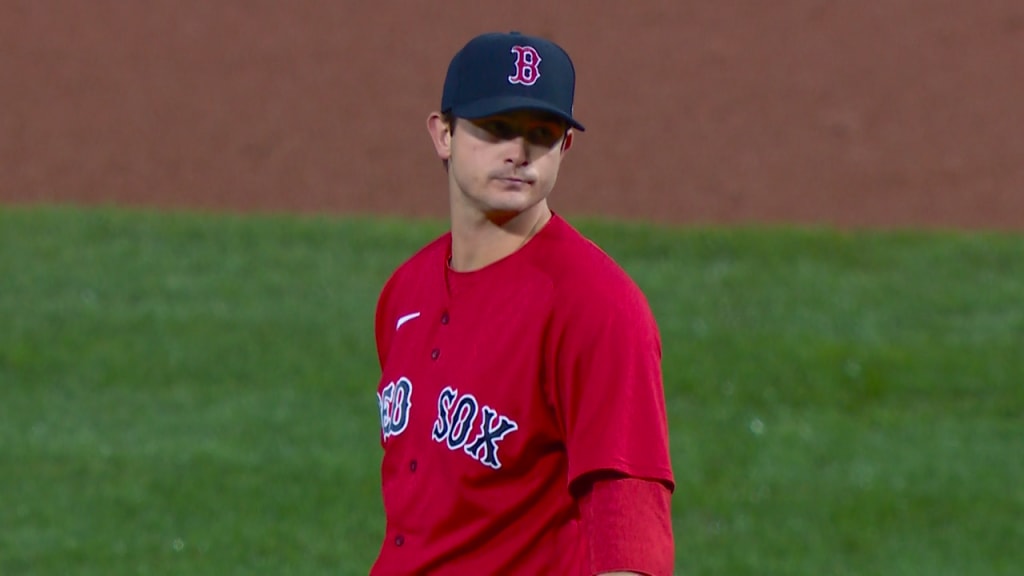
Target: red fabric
x=499, y=389
x=627, y=523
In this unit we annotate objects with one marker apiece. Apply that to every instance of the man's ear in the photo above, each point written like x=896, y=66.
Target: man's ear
x=440, y=135
x=567, y=141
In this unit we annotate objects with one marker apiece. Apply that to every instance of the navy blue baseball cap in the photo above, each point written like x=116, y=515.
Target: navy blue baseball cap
x=502, y=72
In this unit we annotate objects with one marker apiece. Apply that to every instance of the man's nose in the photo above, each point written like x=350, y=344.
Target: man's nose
x=518, y=151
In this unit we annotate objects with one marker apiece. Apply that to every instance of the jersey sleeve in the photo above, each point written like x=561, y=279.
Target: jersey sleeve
x=609, y=392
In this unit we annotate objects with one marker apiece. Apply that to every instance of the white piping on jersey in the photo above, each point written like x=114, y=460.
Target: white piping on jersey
x=405, y=319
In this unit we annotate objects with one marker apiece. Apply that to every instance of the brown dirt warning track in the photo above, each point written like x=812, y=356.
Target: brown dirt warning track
x=854, y=114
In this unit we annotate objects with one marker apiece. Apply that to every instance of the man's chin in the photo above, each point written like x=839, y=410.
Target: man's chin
x=510, y=201
x=501, y=213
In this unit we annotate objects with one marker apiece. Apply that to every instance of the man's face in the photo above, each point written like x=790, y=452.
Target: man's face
x=505, y=164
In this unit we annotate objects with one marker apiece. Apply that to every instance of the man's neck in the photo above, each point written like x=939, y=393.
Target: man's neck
x=481, y=241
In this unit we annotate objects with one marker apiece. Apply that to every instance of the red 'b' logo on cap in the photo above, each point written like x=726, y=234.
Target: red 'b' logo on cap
x=527, y=66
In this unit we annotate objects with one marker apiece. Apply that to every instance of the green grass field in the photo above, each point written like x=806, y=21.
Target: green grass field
x=194, y=394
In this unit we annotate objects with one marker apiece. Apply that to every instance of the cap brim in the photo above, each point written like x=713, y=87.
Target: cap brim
x=493, y=106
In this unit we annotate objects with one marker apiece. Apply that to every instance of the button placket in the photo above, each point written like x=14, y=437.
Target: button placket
x=436, y=352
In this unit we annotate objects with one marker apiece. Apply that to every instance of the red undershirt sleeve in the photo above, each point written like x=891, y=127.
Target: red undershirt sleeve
x=627, y=523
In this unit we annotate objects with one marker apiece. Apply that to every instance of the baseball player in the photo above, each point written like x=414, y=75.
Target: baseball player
x=521, y=401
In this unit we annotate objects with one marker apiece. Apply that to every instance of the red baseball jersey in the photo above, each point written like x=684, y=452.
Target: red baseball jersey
x=499, y=388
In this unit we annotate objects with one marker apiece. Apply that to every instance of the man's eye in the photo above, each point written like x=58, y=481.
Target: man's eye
x=542, y=135
x=500, y=129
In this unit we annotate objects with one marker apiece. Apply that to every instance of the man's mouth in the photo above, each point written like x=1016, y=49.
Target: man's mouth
x=515, y=179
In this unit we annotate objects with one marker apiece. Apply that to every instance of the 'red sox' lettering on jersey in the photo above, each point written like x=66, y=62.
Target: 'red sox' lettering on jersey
x=455, y=417
x=462, y=423
x=395, y=401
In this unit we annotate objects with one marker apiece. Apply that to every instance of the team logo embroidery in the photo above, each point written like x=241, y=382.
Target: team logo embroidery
x=527, y=66
x=456, y=415
x=395, y=401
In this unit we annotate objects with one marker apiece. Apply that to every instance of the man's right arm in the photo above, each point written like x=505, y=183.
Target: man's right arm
x=628, y=526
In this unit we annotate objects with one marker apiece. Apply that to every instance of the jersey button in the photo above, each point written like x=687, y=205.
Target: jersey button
x=399, y=540
x=444, y=318
x=435, y=353
x=413, y=466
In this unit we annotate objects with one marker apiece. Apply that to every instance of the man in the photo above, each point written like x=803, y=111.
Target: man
x=521, y=399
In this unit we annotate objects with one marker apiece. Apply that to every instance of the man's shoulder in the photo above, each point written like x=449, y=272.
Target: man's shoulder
x=426, y=259
x=577, y=265
x=414, y=273
x=590, y=291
